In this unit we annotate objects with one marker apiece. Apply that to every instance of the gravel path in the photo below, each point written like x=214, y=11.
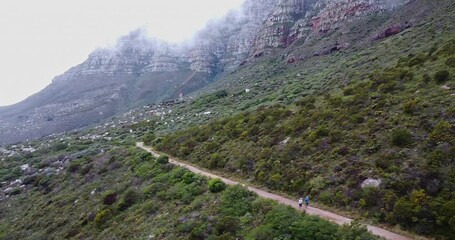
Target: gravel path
x=310, y=210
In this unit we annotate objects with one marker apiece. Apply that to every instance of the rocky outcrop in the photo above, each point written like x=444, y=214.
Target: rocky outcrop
x=292, y=20
x=276, y=28
x=203, y=58
x=391, y=30
x=166, y=59
x=337, y=11
x=132, y=53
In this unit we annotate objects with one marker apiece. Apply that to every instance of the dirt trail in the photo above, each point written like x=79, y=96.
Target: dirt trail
x=310, y=210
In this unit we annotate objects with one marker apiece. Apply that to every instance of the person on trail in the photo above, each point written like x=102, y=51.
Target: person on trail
x=300, y=202
x=307, y=201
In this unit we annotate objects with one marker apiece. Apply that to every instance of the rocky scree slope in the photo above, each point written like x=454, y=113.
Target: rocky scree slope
x=140, y=70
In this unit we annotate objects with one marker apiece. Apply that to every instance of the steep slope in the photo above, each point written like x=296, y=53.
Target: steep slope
x=140, y=71
x=370, y=130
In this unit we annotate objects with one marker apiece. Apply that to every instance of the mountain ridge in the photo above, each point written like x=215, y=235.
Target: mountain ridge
x=141, y=71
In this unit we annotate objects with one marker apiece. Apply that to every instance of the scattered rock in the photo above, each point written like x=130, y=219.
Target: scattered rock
x=25, y=167
x=291, y=60
x=371, y=183
x=285, y=141
x=8, y=190
x=445, y=87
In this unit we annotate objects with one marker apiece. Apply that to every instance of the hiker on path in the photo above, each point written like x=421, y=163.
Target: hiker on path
x=307, y=201
x=300, y=202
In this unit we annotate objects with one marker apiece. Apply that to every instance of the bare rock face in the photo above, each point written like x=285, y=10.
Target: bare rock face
x=276, y=28
x=167, y=58
x=132, y=52
x=226, y=44
x=337, y=11
x=203, y=58
x=292, y=20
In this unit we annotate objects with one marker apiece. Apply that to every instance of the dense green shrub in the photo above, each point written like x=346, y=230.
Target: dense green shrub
x=145, y=170
x=189, y=177
x=277, y=223
x=426, y=78
x=163, y=159
x=102, y=217
x=74, y=166
x=146, y=156
x=109, y=197
x=228, y=224
x=450, y=62
x=442, y=132
x=441, y=76
x=448, y=48
x=419, y=59
x=354, y=231
x=216, y=185
x=410, y=106
x=236, y=201
x=401, y=138
x=148, y=138
x=416, y=205
x=313, y=228
x=150, y=207
x=130, y=198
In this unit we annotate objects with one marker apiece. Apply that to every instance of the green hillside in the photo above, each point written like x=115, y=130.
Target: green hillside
x=396, y=124
x=270, y=80
x=112, y=191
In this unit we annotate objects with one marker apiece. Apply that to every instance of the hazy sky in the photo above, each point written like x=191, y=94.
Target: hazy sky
x=40, y=39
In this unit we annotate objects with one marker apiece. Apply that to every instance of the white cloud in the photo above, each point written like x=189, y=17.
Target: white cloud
x=41, y=39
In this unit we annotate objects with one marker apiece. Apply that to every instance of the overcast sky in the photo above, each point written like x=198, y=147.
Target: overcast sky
x=40, y=39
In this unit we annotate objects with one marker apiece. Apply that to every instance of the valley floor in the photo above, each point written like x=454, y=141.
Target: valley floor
x=310, y=210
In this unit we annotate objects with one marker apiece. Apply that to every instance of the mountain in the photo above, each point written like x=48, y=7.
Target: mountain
x=349, y=102
x=139, y=70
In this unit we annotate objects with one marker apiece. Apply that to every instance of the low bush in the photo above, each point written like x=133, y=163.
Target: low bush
x=148, y=138
x=401, y=138
x=441, y=76
x=109, y=197
x=216, y=185
x=353, y=231
x=450, y=62
x=189, y=178
x=410, y=106
x=163, y=159
x=130, y=198
x=426, y=78
x=150, y=207
x=442, y=132
x=236, y=201
x=102, y=217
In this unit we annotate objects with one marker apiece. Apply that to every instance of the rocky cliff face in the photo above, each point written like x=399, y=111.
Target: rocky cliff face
x=139, y=70
x=292, y=20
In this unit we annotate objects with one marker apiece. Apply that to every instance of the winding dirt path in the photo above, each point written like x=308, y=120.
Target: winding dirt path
x=310, y=210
